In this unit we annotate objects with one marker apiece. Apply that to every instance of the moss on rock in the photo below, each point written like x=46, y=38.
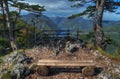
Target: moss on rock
x=6, y=76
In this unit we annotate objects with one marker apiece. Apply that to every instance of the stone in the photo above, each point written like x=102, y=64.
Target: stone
x=95, y=53
x=18, y=63
x=27, y=72
x=71, y=48
x=59, y=45
x=22, y=58
x=91, y=51
x=18, y=71
x=6, y=75
x=117, y=70
x=16, y=74
x=11, y=57
x=56, y=51
x=104, y=75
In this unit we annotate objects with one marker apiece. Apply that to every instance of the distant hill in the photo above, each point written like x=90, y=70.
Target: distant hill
x=57, y=20
x=114, y=33
x=80, y=23
x=65, y=23
x=76, y=23
x=107, y=23
x=112, y=29
x=43, y=23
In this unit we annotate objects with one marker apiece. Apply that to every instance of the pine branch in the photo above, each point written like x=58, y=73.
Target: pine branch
x=89, y=11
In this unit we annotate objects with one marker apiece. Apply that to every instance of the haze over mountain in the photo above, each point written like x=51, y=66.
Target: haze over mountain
x=65, y=23
x=43, y=22
x=80, y=23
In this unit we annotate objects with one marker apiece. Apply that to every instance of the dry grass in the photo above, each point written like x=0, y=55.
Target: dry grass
x=112, y=57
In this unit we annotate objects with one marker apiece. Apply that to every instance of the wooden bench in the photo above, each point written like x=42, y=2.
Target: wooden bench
x=86, y=65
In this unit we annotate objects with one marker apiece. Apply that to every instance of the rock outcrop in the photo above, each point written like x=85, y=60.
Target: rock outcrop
x=14, y=66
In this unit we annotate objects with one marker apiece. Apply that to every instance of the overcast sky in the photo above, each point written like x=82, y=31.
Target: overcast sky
x=62, y=8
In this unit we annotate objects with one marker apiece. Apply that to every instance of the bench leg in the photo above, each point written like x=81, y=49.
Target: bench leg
x=43, y=70
x=88, y=71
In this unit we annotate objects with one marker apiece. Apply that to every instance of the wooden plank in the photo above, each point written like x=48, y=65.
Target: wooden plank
x=45, y=62
x=51, y=60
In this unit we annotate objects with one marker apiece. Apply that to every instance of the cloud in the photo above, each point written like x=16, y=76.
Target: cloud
x=56, y=7
x=111, y=16
x=62, y=8
x=51, y=4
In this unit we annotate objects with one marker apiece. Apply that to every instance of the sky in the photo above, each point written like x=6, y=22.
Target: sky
x=62, y=8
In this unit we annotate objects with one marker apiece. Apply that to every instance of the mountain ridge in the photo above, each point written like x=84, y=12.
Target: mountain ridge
x=80, y=23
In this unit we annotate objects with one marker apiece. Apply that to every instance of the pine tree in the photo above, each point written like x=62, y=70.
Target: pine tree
x=4, y=20
x=5, y=5
x=95, y=9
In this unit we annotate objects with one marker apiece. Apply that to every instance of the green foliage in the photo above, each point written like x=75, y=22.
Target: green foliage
x=6, y=76
x=112, y=56
x=1, y=61
x=108, y=40
x=3, y=43
x=113, y=44
x=89, y=38
x=118, y=50
x=28, y=7
x=110, y=5
x=113, y=33
x=24, y=34
x=89, y=11
x=41, y=38
x=15, y=23
x=20, y=5
x=36, y=8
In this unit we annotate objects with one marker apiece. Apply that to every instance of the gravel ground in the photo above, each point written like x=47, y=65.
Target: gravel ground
x=62, y=72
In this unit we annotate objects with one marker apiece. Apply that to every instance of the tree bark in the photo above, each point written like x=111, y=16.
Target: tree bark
x=14, y=23
x=11, y=39
x=98, y=31
x=4, y=21
x=34, y=30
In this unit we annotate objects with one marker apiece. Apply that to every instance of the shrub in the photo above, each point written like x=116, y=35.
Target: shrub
x=3, y=44
x=6, y=76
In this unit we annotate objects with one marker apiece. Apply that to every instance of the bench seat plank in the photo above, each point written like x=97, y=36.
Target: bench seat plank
x=45, y=62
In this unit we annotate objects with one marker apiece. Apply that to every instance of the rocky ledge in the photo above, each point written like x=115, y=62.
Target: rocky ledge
x=14, y=66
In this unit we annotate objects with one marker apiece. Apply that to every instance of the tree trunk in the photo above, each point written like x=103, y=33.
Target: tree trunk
x=34, y=30
x=14, y=24
x=12, y=41
x=98, y=31
x=4, y=21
